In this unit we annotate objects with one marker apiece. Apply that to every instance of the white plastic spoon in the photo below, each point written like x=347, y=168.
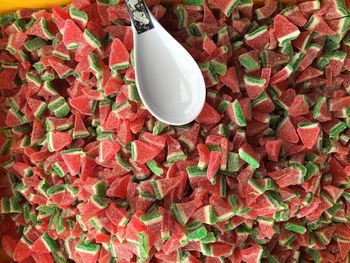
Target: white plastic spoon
x=168, y=79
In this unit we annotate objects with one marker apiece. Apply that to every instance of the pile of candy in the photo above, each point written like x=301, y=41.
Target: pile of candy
x=88, y=175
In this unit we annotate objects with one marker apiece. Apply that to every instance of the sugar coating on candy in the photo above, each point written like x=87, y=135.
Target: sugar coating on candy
x=262, y=174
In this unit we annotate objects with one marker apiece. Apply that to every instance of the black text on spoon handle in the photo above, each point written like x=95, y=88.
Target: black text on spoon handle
x=139, y=15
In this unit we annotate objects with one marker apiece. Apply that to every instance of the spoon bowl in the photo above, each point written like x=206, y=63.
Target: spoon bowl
x=168, y=79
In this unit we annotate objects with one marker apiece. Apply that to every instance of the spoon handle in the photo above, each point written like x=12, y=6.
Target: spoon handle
x=139, y=15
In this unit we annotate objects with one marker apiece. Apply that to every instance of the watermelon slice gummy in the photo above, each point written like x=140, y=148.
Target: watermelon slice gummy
x=119, y=55
x=284, y=30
